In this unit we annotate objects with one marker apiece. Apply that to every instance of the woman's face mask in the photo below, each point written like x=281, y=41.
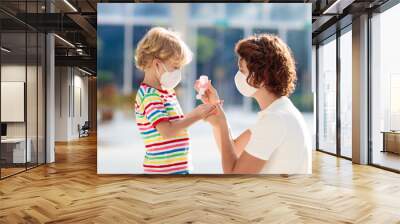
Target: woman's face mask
x=241, y=84
x=170, y=80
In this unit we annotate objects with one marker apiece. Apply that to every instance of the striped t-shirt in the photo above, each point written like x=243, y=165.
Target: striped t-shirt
x=163, y=155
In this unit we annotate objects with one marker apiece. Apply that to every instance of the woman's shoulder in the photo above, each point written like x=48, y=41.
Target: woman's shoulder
x=288, y=121
x=273, y=117
x=270, y=122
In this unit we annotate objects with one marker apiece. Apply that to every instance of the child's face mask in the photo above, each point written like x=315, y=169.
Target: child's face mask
x=170, y=80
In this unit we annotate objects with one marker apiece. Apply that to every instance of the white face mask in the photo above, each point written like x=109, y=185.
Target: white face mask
x=170, y=80
x=241, y=84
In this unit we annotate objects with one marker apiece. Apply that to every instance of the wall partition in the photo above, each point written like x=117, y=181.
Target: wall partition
x=22, y=78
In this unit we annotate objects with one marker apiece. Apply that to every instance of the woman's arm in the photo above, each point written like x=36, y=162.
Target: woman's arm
x=241, y=142
x=234, y=157
x=225, y=144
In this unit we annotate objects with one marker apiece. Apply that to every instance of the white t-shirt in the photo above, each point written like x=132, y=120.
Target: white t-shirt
x=281, y=137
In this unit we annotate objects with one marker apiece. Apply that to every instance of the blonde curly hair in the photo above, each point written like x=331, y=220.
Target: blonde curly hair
x=162, y=44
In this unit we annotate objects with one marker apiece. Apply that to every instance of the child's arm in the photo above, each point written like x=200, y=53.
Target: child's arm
x=169, y=129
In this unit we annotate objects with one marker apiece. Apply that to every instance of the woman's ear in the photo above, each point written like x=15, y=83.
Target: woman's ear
x=257, y=93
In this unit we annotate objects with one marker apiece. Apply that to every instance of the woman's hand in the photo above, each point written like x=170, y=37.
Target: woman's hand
x=217, y=118
x=204, y=110
x=210, y=95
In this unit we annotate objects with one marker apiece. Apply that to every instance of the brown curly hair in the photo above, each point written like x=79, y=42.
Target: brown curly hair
x=270, y=63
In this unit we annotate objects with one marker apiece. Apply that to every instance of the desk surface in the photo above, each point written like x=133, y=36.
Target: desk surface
x=390, y=132
x=13, y=140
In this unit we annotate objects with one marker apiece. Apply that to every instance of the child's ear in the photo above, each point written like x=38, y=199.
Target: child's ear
x=156, y=64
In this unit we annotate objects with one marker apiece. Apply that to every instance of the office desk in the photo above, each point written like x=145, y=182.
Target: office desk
x=391, y=141
x=16, y=147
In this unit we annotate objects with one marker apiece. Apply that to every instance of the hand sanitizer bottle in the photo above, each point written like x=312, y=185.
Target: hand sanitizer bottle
x=203, y=85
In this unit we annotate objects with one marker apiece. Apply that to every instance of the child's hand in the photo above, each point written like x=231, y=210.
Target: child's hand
x=204, y=110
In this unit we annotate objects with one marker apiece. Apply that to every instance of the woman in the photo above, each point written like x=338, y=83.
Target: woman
x=279, y=142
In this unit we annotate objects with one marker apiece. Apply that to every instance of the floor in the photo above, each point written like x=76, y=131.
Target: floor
x=388, y=159
x=70, y=191
x=10, y=171
x=13, y=170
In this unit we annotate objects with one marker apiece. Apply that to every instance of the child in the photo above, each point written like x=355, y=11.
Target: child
x=160, y=55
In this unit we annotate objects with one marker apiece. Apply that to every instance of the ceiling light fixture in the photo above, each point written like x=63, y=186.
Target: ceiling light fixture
x=5, y=49
x=84, y=71
x=65, y=41
x=337, y=7
x=70, y=5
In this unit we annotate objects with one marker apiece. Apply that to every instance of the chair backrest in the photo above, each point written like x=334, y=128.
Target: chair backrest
x=86, y=124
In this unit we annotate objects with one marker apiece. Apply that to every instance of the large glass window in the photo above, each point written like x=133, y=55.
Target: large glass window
x=327, y=96
x=346, y=94
x=385, y=89
x=329, y=112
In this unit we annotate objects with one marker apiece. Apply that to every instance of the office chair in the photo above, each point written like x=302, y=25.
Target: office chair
x=84, y=130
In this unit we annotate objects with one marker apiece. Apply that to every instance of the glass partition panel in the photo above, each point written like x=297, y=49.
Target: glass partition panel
x=346, y=94
x=14, y=152
x=31, y=98
x=327, y=96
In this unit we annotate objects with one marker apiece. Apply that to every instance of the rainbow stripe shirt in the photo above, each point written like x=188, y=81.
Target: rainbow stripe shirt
x=163, y=155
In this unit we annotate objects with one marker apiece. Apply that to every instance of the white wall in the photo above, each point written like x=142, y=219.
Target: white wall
x=80, y=94
x=62, y=81
x=71, y=87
